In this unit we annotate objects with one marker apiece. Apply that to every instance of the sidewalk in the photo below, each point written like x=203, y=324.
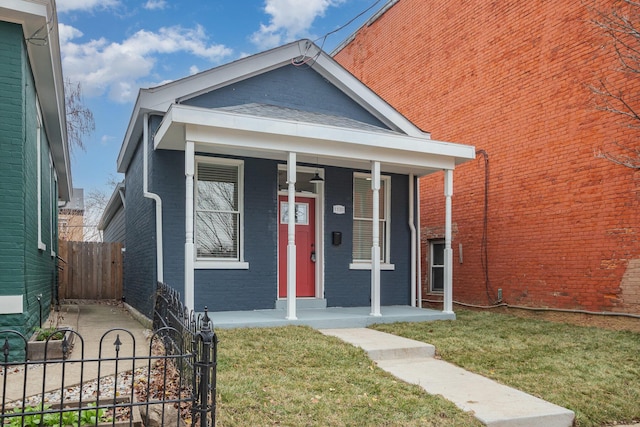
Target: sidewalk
x=98, y=327
x=492, y=403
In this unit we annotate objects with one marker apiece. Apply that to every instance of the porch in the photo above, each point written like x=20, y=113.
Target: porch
x=326, y=318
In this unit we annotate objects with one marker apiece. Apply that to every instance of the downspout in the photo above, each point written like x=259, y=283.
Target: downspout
x=412, y=227
x=419, y=245
x=154, y=197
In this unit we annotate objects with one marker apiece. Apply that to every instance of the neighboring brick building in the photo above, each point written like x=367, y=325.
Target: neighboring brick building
x=512, y=79
x=71, y=218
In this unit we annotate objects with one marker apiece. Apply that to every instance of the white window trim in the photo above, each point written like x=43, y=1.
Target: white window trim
x=52, y=205
x=41, y=245
x=221, y=263
x=384, y=264
x=431, y=265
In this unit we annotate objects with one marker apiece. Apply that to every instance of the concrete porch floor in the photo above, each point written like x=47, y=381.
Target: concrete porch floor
x=326, y=318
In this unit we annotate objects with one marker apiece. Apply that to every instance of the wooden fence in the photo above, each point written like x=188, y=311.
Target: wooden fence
x=91, y=270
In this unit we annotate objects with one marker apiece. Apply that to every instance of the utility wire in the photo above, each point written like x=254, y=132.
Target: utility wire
x=303, y=59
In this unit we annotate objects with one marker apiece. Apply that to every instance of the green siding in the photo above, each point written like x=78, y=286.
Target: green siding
x=24, y=268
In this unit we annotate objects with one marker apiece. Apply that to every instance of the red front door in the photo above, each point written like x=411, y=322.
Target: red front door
x=305, y=246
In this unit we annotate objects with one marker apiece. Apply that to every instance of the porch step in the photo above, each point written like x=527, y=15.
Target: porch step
x=493, y=404
x=303, y=303
x=382, y=346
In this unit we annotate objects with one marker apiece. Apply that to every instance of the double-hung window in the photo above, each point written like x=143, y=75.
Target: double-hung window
x=363, y=219
x=218, y=210
x=436, y=263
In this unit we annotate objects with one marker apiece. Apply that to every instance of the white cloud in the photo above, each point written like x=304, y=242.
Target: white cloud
x=155, y=4
x=194, y=70
x=289, y=20
x=106, y=139
x=84, y=5
x=102, y=66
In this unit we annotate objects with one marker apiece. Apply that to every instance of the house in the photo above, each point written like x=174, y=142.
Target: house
x=269, y=182
x=71, y=218
x=34, y=160
x=112, y=221
x=540, y=219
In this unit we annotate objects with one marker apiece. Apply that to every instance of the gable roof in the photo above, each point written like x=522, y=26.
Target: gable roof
x=40, y=27
x=159, y=99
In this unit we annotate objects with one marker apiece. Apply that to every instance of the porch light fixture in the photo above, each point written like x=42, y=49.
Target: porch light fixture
x=316, y=178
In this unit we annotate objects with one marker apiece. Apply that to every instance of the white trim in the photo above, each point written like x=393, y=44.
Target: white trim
x=220, y=265
x=204, y=261
x=412, y=228
x=291, y=239
x=387, y=216
x=367, y=266
x=156, y=198
x=189, y=245
x=375, y=247
x=39, y=130
x=448, y=252
x=432, y=264
x=319, y=227
x=222, y=129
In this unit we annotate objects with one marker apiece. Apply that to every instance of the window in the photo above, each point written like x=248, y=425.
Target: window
x=436, y=263
x=218, y=210
x=363, y=218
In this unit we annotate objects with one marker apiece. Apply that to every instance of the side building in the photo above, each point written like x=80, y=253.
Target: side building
x=540, y=218
x=35, y=171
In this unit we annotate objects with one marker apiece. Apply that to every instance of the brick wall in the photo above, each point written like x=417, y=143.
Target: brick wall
x=511, y=78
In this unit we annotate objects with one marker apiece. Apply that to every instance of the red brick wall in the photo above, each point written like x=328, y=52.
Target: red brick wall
x=511, y=78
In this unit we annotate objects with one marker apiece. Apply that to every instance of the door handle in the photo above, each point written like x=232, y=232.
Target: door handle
x=313, y=256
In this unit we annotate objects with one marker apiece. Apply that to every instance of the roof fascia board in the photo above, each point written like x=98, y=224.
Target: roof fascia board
x=160, y=98
x=204, y=125
x=46, y=65
x=114, y=203
x=357, y=156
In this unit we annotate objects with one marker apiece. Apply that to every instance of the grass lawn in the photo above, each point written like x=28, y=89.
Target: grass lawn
x=592, y=371
x=295, y=376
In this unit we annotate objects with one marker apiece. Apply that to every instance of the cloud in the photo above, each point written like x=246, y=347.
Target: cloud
x=84, y=5
x=194, y=70
x=103, y=66
x=155, y=4
x=289, y=20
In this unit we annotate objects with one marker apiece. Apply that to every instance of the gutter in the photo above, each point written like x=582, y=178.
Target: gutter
x=412, y=227
x=154, y=197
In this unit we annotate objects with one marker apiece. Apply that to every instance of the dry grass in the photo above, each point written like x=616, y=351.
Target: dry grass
x=295, y=376
x=593, y=371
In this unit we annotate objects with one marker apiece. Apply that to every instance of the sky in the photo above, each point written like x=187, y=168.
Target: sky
x=115, y=47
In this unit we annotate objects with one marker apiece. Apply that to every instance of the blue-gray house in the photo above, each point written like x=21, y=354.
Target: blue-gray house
x=274, y=181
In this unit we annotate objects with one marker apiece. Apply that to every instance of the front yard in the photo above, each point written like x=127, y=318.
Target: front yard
x=295, y=376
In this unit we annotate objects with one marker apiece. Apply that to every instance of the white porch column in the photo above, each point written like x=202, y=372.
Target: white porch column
x=375, y=248
x=189, y=171
x=291, y=238
x=448, y=252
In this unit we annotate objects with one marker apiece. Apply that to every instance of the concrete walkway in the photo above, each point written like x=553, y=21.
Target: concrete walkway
x=493, y=404
x=98, y=327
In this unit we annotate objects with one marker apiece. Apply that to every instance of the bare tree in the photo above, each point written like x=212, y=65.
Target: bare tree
x=617, y=92
x=80, y=120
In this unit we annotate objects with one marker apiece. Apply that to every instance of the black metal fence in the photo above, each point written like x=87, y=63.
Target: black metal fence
x=171, y=381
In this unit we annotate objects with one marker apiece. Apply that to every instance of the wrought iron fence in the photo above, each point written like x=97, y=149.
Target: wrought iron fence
x=172, y=376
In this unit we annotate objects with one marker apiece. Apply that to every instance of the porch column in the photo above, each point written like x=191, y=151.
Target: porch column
x=291, y=238
x=375, y=248
x=448, y=252
x=189, y=171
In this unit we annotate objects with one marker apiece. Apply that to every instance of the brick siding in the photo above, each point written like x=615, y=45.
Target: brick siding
x=511, y=78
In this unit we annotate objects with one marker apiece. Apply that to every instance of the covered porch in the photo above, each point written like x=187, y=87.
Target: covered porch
x=326, y=318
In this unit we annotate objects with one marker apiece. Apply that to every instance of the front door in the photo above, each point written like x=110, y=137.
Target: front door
x=305, y=210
